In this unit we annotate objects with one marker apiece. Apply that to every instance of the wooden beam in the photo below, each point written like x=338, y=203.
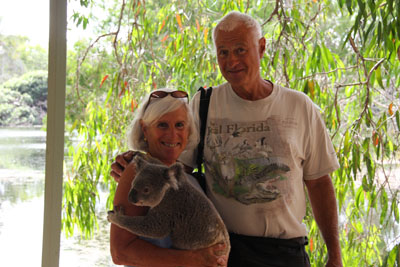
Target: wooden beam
x=55, y=133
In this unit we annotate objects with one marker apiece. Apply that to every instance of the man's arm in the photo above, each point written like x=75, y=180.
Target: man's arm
x=323, y=202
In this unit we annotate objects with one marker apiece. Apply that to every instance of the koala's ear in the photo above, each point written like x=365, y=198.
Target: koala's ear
x=139, y=162
x=174, y=174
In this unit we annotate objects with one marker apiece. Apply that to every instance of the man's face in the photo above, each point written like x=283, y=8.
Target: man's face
x=239, y=55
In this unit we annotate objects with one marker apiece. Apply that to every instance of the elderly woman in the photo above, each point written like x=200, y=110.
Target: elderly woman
x=163, y=128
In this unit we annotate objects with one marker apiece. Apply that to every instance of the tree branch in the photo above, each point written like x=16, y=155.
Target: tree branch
x=274, y=12
x=374, y=68
x=80, y=62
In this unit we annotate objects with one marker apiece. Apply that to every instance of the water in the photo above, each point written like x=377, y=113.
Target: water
x=22, y=149
x=22, y=164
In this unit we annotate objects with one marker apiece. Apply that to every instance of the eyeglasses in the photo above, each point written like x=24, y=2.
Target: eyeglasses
x=162, y=94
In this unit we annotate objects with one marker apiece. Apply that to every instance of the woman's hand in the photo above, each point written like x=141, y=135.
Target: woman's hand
x=120, y=163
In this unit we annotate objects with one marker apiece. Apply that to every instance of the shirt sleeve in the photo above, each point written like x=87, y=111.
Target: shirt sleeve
x=321, y=159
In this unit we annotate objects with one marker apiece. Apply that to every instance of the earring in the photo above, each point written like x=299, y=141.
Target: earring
x=145, y=139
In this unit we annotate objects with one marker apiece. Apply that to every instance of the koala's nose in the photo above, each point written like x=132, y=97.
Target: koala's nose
x=132, y=197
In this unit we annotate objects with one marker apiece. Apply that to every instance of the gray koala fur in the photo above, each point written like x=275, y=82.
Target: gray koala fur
x=177, y=208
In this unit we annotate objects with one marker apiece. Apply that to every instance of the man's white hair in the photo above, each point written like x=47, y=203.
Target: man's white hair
x=234, y=19
x=150, y=112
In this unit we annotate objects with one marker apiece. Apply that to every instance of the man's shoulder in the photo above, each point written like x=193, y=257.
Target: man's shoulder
x=292, y=93
x=216, y=88
x=220, y=87
x=292, y=96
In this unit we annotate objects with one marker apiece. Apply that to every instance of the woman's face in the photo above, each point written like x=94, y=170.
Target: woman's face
x=167, y=137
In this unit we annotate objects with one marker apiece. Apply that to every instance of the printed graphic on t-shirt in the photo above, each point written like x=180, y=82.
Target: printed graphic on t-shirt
x=247, y=160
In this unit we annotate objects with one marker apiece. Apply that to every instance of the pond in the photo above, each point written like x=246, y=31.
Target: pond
x=22, y=164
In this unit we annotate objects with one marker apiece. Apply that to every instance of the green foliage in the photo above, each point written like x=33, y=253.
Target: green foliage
x=393, y=258
x=24, y=99
x=15, y=108
x=376, y=22
x=34, y=58
x=17, y=57
x=23, y=82
x=344, y=55
x=32, y=83
x=78, y=18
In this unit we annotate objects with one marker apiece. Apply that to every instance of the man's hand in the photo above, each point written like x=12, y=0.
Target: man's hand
x=120, y=163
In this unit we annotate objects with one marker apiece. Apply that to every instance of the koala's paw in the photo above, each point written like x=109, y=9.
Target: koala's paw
x=114, y=215
x=111, y=216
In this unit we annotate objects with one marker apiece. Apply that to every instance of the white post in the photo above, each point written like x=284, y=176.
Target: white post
x=55, y=133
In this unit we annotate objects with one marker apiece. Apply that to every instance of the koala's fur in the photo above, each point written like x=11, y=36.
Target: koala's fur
x=177, y=208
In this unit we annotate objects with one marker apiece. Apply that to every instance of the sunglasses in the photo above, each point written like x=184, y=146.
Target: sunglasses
x=162, y=94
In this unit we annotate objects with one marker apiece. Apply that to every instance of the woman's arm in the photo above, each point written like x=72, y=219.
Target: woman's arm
x=121, y=240
x=127, y=249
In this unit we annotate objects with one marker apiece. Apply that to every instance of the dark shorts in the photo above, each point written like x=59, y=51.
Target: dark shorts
x=254, y=251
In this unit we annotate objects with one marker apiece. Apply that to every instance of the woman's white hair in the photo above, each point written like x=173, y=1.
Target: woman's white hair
x=150, y=112
x=234, y=19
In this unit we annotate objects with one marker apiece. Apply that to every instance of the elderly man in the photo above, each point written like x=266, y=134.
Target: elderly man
x=263, y=143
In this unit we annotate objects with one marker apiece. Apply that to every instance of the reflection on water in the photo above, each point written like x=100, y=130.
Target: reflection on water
x=22, y=163
x=20, y=186
x=22, y=148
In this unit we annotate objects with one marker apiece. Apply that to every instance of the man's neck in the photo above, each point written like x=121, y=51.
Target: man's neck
x=257, y=91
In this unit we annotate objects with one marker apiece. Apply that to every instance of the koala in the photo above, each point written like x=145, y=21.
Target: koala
x=177, y=209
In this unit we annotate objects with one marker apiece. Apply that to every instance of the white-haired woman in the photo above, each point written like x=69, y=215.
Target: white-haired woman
x=163, y=127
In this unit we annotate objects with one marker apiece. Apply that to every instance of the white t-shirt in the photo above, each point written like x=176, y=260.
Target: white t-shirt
x=257, y=154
